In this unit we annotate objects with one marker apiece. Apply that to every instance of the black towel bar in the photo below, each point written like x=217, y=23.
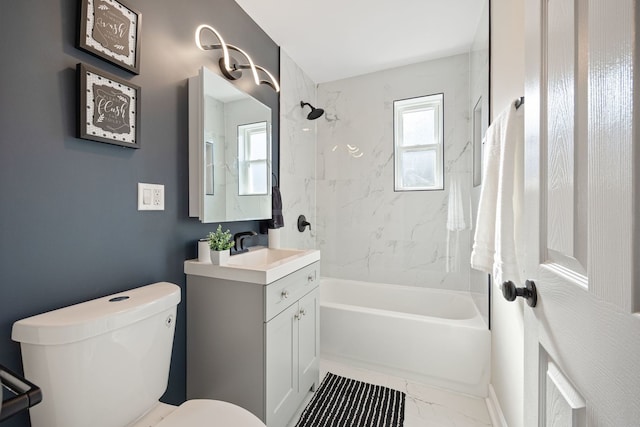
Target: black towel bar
x=26, y=393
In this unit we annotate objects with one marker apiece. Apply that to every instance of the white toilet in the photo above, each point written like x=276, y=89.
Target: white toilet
x=105, y=363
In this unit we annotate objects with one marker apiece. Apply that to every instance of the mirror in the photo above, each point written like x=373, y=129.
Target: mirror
x=229, y=152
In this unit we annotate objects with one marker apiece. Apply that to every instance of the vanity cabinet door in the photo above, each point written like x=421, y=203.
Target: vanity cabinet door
x=309, y=341
x=282, y=366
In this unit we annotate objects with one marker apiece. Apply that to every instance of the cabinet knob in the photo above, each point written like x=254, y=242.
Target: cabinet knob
x=285, y=294
x=310, y=278
x=300, y=313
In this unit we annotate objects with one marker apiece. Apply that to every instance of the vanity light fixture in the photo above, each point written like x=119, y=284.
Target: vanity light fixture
x=229, y=66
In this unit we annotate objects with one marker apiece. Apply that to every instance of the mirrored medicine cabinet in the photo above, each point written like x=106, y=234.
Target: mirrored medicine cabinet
x=230, y=136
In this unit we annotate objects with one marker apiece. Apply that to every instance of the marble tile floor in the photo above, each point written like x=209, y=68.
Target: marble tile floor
x=425, y=406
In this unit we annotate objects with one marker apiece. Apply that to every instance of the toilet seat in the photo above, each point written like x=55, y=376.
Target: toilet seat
x=210, y=413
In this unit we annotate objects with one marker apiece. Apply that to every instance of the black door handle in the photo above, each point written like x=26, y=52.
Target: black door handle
x=510, y=292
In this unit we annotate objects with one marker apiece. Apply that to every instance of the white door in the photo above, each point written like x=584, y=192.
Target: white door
x=582, y=340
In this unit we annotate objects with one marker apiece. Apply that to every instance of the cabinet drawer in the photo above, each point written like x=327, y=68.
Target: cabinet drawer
x=286, y=291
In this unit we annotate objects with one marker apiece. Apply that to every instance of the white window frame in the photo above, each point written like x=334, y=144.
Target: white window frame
x=244, y=161
x=429, y=102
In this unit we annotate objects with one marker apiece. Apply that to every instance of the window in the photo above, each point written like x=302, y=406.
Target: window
x=418, y=143
x=253, y=145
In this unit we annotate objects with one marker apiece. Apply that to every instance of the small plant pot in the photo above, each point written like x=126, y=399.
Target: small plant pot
x=220, y=257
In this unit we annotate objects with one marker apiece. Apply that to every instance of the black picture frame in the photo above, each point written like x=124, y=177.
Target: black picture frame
x=110, y=29
x=108, y=108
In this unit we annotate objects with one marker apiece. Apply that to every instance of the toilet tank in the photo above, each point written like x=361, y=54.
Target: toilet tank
x=100, y=363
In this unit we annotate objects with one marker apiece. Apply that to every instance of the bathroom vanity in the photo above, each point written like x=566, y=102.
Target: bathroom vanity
x=253, y=331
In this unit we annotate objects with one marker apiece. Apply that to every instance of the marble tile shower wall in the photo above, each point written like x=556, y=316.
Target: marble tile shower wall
x=297, y=155
x=366, y=230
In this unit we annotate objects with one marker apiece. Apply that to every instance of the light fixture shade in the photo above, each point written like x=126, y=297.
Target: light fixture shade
x=222, y=44
x=230, y=68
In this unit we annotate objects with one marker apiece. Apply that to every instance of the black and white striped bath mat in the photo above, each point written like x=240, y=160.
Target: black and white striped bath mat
x=341, y=401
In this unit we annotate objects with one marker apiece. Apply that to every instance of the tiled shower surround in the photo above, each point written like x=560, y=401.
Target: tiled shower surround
x=297, y=155
x=366, y=230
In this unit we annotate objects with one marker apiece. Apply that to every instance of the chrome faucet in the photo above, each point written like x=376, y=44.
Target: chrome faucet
x=238, y=240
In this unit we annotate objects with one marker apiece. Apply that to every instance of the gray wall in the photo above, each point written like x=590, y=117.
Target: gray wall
x=69, y=227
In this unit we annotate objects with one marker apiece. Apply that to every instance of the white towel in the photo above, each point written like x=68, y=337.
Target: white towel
x=497, y=247
x=455, y=212
x=455, y=223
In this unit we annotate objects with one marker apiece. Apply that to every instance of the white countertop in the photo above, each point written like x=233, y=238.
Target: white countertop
x=248, y=267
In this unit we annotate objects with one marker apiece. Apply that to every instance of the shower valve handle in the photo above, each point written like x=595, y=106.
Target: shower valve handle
x=302, y=223
x=510, y=292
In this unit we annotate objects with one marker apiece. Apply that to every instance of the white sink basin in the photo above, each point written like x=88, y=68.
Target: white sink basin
x=259, y=265
x=263, y=257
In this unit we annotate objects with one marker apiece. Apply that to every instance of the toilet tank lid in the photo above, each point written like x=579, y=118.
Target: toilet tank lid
x=96, y=317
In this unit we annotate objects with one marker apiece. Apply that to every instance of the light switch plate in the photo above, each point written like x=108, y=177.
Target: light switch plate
x=150, y=197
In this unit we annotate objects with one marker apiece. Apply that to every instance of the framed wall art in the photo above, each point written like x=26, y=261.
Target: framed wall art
x=110, y=29
x=109, y=108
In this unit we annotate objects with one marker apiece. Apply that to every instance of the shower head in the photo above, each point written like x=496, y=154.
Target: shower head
x=315, y=112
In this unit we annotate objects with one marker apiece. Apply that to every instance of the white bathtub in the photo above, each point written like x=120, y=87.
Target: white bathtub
x=431, y=336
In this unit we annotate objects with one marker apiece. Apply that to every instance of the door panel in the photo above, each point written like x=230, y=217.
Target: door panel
x=563, y=405
x=564, y=196
x=309, y=341
x=282, y=366
x=582, y=339
x=560, y=129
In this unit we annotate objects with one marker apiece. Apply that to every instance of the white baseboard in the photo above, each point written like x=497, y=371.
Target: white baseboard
x=495, y=412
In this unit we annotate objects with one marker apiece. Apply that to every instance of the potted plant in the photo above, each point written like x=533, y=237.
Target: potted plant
x=220, y=242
